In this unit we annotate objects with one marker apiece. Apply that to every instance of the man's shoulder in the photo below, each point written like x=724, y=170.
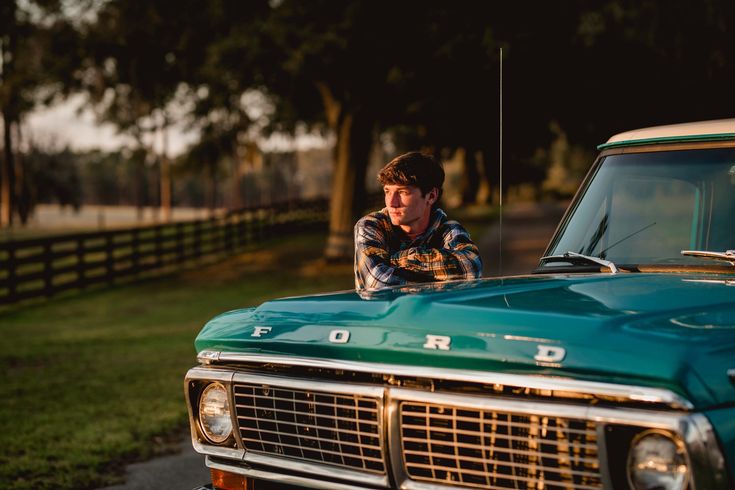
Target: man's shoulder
x=442, y=221
x=451, y=227
x=452, y=224
x=375, y=218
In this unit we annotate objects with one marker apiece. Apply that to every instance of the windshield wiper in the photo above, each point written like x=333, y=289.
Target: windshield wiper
x=575, y=257
x=727, y=256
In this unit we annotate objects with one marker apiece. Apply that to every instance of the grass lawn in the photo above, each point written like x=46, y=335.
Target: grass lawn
x=94, y=380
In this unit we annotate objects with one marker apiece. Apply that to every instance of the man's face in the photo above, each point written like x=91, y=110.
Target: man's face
x=407, y=207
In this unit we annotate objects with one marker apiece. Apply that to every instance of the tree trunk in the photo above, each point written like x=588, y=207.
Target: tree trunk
x=236, y=176
x=470, y=177
x=23, y=199
x=7, y=201
x=347, y=199
x=212, y=171
x=140, y=187
x=165, y=179
x=350, y=160
x=492, y=176
x=8, y=44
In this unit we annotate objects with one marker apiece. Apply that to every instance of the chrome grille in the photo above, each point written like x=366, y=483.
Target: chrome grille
x=315, y=426
x=493, y=449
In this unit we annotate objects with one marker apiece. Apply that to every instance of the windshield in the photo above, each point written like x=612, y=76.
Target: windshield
x=645, y=208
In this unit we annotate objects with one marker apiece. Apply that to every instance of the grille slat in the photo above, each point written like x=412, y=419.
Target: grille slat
x=316, y=428
x=312, y=426
x=339, y=419
x=336, y=453
x=498, y=423
x=508, y=438
x=483, y=448
x=279, y=399
x=591, y=461
x=461, y=463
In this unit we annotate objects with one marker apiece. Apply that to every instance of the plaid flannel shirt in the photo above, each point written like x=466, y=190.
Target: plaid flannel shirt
x=386, y=256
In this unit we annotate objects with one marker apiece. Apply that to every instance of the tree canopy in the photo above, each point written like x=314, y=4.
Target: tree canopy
x=425, y=72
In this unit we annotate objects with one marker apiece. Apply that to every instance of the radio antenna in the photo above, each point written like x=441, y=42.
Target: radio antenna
x=500, y=207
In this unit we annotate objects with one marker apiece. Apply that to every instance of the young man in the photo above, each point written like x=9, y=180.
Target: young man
x=411, y=240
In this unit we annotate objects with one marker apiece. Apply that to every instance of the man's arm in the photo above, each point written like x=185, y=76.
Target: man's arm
x=373, y=268
x=458, y=258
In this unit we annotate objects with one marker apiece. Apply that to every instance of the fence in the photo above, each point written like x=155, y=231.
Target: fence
x=44, y=267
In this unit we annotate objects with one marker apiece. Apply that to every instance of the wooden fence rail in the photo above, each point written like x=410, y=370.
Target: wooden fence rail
x=43, y=267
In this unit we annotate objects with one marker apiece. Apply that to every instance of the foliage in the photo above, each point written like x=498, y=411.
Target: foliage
x=33, y=68
x=54, y=177
x=427, y=72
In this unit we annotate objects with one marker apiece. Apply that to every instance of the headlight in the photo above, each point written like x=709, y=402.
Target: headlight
x=657, y=460
x=214, y=413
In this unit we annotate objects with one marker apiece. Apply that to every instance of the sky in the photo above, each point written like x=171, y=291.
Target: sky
x=69, y=124
x=64, y=124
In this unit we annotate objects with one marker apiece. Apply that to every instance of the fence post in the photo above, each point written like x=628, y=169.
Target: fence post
x=179, y=242
x=221, y=227
x=12, y=284
x=240, y=229
x=197, y=238
x=158, y=242
x=247, y=227
x=135, y=250
x=109, y=259
x=81, y=270
x=272, y=217
x=48, y=275
x=229, y=234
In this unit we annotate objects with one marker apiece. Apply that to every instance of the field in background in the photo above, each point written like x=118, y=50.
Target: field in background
x=52, y=219
x=94, y=380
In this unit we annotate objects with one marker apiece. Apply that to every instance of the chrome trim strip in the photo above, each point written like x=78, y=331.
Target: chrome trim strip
x=281, y=478
x=626, y=392
x=393, y=439
x=414, y=485
x=198, y=441
x=636, y=417
x=310, y=384
x=209, y=374
x=323, y=469
x=524, y=407
x=708, y=462
x=221, y=452
x=603, y=457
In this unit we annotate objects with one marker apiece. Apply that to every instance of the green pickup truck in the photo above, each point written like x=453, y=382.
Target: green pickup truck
x=610, y=366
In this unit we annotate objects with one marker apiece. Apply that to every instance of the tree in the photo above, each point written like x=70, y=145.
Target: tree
x=30, y=64
x=139, y=54
x=339, y=65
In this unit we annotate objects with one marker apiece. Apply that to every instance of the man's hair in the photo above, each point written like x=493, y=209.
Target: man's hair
x=414, y=168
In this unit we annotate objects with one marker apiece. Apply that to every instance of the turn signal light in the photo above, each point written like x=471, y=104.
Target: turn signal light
x=224, y=480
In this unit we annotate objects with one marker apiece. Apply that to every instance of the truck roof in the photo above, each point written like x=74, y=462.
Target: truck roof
x=716, y=130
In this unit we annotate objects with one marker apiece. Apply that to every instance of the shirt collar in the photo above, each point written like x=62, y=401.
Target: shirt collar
x=438, y=216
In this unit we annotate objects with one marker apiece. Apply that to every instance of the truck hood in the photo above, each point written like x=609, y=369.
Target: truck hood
x=673, y=331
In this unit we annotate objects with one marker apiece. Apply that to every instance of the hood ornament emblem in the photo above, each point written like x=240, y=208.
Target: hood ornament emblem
x=548, y=353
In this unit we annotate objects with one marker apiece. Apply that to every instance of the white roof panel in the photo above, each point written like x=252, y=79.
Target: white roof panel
x=719, y=126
